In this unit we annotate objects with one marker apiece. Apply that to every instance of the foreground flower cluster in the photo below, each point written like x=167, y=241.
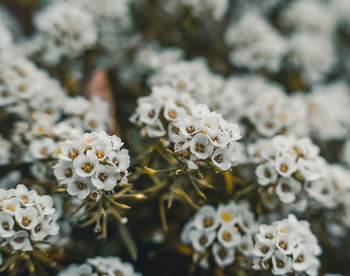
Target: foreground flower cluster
x=224, y=230
x=197, y=134
x=26, y=218
x=95, y=162
x=287, y=246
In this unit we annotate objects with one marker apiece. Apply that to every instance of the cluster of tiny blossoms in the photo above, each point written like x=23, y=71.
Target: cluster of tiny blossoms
x=289, y=166
x=64, y=30
x=91, y=164
x=98, y=266
x=224, y=230
x=287, y=246
x=197, y=134
x=191, y=76
x=256, y=45
x=26, y=218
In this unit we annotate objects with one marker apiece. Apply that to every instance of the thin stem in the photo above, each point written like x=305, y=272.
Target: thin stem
x=163, y=213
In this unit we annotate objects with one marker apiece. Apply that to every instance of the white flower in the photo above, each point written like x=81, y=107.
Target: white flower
x=100, y=150
x=323, y=191
x=71, y=150
x=302, y=258
x=223, y=256
x=27, y=218
x=85, y=165
x=222, y=159
x=200, y=146
x=64, y=171
x=6, y=225
x=263, y=249
x=281, y=263
x=10, y=206
x=121, y=159
x=310, y=169
x=46, y=204
x=24, y=195
x=266, y=174
x=286, y=242
x=228, y=236
x=104, y=177
x=285, y=165
x=227, y=213
x=42, y=148
x=201, y=240
x=80, y=187
x=287, y=189
x=206, y=219
x=267, y=233
x=20, y=241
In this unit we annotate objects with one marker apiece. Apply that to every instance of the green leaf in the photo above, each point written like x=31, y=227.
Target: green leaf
x=128, y=241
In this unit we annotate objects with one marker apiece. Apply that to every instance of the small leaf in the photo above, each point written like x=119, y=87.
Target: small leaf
x=128, y=241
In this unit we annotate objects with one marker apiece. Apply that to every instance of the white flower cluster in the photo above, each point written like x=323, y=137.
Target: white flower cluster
x=338, y=195
x=263, y=102
x=64, y=30
x=26, y=217
x=91, y=164
x=197, y=133
x=152, y=57
x=256, y=45
x=313, y=63
x=287, y=246
x=290, y=167
x=164, y=103
x=329, y=113
x=98, y=266
x=193, y=77
x=201, y=9
x=24, y=87
x=114, y=25
x=38, y=139
x=272, y=112
x=226, y=230
x=307, y=16
x=5, y=151
x=47, y=113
